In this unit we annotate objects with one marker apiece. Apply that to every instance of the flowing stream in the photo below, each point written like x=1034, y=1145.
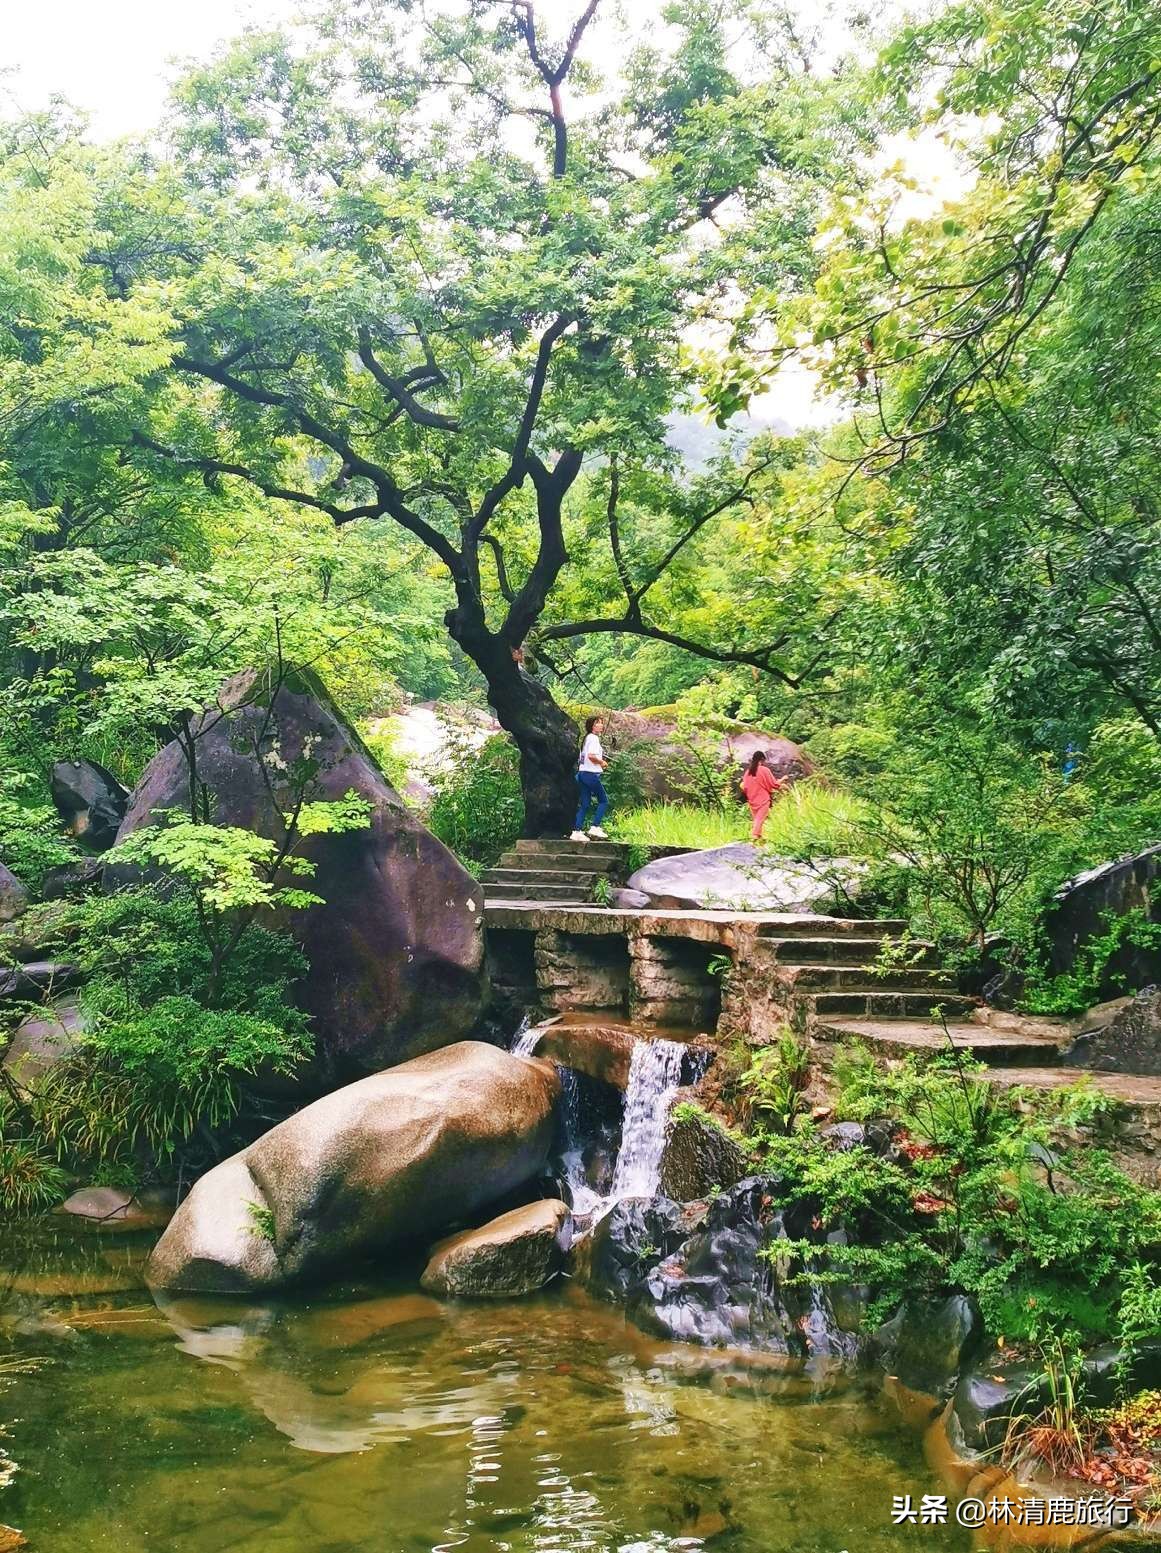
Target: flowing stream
x=525, y=1040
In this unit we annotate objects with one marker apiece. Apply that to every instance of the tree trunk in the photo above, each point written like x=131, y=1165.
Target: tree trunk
x=547, y=738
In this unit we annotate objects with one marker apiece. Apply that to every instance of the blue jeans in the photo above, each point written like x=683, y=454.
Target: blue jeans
x=591, y=787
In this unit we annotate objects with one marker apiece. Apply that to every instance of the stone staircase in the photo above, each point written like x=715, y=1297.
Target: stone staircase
x=559, y=873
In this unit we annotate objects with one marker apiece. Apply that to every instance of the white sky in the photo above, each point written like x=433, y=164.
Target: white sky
x=112, y=57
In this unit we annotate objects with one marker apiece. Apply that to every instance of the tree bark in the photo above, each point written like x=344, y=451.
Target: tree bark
x=547, y=738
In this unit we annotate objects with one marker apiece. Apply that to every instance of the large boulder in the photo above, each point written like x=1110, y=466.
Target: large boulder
x=390, y=1159
x=741, y=877
x=396, y=952
x=663, y=764
x=515, y=1254
x=13, y=896
x=1082, y=909
x=90, y=801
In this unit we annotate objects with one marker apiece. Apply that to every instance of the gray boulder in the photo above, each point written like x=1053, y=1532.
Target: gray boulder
x=90, y=801
x=1129, y=1043
x=741, y=877
x=699, y=1155
x=926, y=1343
x=515, y=1254
x=396, y=952
x=13, y=896
x=392, y=1158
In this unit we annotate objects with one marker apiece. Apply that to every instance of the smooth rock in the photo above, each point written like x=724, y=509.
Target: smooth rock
x=41, y=1041
x=90, y=801
x=386, y=1160
x=742, y=877
x=515, y=1254
x=108, y=1206
x=396, y=951
x=36, y=979
x=13, y=896
x=628, y=900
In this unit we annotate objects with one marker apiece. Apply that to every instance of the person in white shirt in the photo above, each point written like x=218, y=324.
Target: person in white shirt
x=588, y=779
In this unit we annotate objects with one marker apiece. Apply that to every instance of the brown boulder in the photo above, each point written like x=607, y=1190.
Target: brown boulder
x=391, y=1158
x=396, y=952
x=515, y=1254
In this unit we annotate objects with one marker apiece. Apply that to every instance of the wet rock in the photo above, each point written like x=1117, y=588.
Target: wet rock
x=698, y=1156
x=396, y=952
x=109, y=1207
x=70, y=880
x=1129, y=1043
x=741, y=877
x=985, y=1400
x=382, y=1161
x=927, y=1343
x=702, y=1273
x=90, y=801
x=515, y=1254
x=598, y=1049
x=845, y=1136
x=13, y=896
x=35, y=979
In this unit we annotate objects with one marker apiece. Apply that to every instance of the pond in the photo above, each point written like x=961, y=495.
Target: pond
x=371, y=1419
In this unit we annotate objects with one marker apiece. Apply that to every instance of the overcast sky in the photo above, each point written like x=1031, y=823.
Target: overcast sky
x=112, y=57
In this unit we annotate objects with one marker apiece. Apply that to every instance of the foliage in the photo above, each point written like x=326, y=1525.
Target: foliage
x=1077, y=989
x=30, y=837
x=30, y=1178
x=478, y=810
x=676, y=825
x=773, y=1087
x=983, y=1193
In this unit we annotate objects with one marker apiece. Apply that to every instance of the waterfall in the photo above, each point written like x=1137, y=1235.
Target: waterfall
x=581, y=1195
x=654, y=1077
x=525, y=1039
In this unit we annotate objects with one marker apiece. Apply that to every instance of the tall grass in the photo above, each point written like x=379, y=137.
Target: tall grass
x=808, y=820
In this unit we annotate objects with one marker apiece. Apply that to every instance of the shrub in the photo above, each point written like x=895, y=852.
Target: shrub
x=478, y=809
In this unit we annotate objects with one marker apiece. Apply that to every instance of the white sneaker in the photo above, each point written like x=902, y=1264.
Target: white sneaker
x=595, y=830
x=578, y=835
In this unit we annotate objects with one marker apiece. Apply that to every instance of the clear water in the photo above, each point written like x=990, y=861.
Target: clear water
x=526, y=1039
x=371, y=1419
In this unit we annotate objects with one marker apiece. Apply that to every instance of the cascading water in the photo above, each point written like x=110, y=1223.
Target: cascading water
x=525, y=1039
x=583, y=1198
x=654, y=1078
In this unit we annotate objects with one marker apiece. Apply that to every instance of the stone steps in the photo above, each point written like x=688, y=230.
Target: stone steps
x=901, y=1037
x=612, y=850
x=846, y=930
x=533, y=866
x=572, y=893
x=877, y=1004
x=845, y=949
x=538, y=878
x=827, y=976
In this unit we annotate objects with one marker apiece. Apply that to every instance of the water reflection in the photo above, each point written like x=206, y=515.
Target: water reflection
x=379, y=1420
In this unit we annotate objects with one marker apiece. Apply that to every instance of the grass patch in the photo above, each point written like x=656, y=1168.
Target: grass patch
x=809, y=820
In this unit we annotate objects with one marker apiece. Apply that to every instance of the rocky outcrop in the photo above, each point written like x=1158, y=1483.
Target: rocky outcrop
x=1129, y=1043
x=1082, y=908
x=396, y=952
x=701, y=1273
x=90, y=801
x=515, y=1254
x=392, y=1158
x=43, y=1040
x=107, y=1207
x=741, y=877
x=13, y=896
x=699, y=1155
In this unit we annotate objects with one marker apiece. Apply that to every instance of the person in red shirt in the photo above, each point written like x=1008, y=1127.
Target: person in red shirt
x=759, y=784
